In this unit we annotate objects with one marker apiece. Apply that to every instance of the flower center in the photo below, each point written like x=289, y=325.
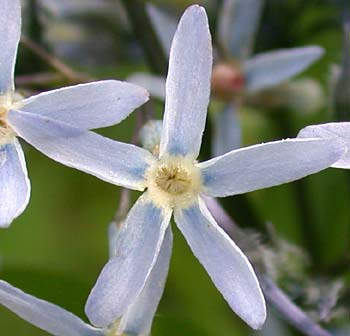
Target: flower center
x=3, y=113
x=5, y=130
x=173, y=178
x=7, y=101
x=173, y=181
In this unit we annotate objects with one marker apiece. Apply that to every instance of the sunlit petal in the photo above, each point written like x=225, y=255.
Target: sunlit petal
x=340, y=131
x=187, y=85
x=14, y=182
x=10, y=32
x=139, y=316
x=43, y=314
x=266, y=165
x=227, y=266
x=124, y=276
x=88, y=106
x=109, y=160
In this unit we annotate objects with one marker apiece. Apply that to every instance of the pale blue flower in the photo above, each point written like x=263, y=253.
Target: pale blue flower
x=57, y=122
x=175, y=181
x=136, y=320
x=248, y=76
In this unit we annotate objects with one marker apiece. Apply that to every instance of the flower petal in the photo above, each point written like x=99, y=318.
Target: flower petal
x=14, y=182
x=227, y=266
x=154, y=84
x=274, y=67
x=10, y=32
x=43, y=314
x=124, y=276
x=113, y=232
x=139, y=316
x=88, y=106
x=163, y=24
x=109, y=160
x=339, y=130
x=227, y=130
x=187, y=85
x=266, y=165
x=237, y=26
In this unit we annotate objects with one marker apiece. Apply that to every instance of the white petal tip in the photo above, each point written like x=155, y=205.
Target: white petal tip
x=317, y=51
x=258, y=324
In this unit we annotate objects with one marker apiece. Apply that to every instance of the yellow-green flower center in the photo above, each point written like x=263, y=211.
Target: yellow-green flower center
x=3, y=113
x=173, y=178
x=173, y=181
x=5, y=130
x=7, y=101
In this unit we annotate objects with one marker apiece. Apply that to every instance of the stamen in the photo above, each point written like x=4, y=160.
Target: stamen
x=174, y=179
x=5, y=130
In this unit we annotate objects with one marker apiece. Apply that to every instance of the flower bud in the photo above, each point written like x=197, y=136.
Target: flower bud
x=227, y=81
x=150, y=135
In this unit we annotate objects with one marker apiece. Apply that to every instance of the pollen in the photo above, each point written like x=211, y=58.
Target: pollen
x=173, y=181
x=5, y=130
x=3, y=122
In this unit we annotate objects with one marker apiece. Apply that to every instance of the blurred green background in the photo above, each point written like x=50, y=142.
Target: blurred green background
x=57, y=248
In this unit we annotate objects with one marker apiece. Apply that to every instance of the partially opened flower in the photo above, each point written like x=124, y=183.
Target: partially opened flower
x=175, y=181
x=55, y=122
x=239, y=78
x=136, y=320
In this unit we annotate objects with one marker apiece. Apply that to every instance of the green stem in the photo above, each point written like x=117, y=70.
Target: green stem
x=146, y=35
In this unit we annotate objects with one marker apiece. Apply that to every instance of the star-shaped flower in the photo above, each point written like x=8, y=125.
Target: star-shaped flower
x=174, y=182
x=55, y=122
x=238, y=77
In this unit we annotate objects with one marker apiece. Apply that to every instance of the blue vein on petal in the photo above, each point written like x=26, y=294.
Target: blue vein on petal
x=3, y=154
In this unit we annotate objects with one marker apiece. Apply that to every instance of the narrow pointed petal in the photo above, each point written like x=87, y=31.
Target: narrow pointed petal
x=111, y=161
x=10, y=32
x=237, y=25
x=88, y=106
x=124, y=276
x=139, y=316
x=14, y=182
x=187, y=85
x=43, y=314
x=227, y=130
x=275, y=67
x=225, y=263
x=339, y=130
x=266, y=165
x=154, y=84
x=164, y=25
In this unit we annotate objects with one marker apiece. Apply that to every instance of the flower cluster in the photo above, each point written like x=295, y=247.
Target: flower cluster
x=174, y=183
